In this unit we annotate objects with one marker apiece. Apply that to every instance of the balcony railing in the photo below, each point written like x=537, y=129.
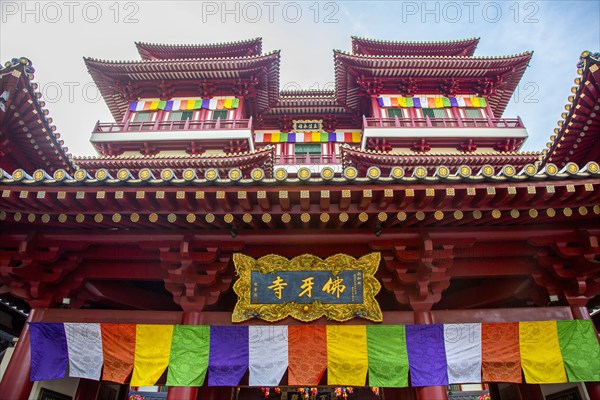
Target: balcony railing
x=187, y=125
x=307, y=159
x=442, y=123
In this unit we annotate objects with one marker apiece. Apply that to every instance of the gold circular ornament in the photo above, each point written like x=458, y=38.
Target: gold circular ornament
x=305, y=217
x=18, y=174
x=420, y=172
x=324, y=217
x=166, y=174
x=304, y=173
x=228, y=218
x=210, y=218
x=62, y=218
x=458, y=215
x=438, y=215
x=327, y=173
x=530, y=170
x=31, y=217
x=363, y=217
x=257, y=174
x=533, y=213
x=515, y=213
x=98, y=218
x=344, y=217
x=592, y=167
x=190, y=218
x=477, y=214
x=373, y=172
x=171, y=218
x=420, y=215
x=397, y=172
x=135, y=217
x=464, y=171
x=123, y=174
x=266, y=218
x=443, y=172
x=80, y=218
x=551, y=169
x=101, y=174
x=153, y=217
x=382, y=217
x=496, y=214
x=59, y=174
x=145, y=174
x=211, y=174
x=116, y=218
x=281, y=174
x=17, y=216
x=508, y=170
x=551, y=212
x=39, y=175
x=235, y=174
x=572, y=168
x=583, y=211
x=350, y=172
x=567, y=212
x=247, y=218
x=401, y=216
x=189, y=174
x=596, y=209
x=286, y=218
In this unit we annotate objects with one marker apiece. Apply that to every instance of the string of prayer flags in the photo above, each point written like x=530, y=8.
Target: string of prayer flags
x=432, y=355
x=431, y=101
x=185, y=104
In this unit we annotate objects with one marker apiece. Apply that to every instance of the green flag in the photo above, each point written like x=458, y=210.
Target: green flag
x=388, y=359
x=189, y=355
x=580, y=350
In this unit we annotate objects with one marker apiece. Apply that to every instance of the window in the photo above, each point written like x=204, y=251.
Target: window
x=473, y=113
x=144, y=116
x=310, y=148
x=394, y=112
x=181, y=115
x=434, y=113
x=219, y=114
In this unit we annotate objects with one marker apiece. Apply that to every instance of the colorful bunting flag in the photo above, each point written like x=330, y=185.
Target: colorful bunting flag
x=580, y=350
x=463, y=352
x=501, y=357
x=118, y=348
x=426, y=355
x=49, y=354
x=541, y=359
x=432, y=102
x=268, y=354
x=228, y=359
x=84, y=343
x=388, y=359
x=188, y=362
x=347, y=359
x=152, y=351
x=306, y=369
x=435, y=354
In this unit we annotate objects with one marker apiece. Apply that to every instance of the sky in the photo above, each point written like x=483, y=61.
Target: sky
x=56, y=35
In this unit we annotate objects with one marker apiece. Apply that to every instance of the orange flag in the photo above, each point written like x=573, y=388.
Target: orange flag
x=118, y=347
x=501, y=357
x=307, y=355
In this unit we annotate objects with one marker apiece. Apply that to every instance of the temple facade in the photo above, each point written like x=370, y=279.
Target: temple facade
x=397, y=207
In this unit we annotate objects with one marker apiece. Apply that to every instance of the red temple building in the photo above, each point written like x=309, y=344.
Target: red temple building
x=410, y=157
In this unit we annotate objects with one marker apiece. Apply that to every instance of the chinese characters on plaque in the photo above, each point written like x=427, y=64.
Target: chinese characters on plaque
x=306, y=287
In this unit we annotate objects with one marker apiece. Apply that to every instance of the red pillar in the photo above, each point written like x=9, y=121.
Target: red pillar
x=186, y=392
x=581, y=312
x=429, y=392
x=15, y=384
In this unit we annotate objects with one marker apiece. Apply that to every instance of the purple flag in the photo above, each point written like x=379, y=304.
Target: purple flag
x=427, y=355
x=205, y=103
x=49, y=354
x=332, y=137
x=291, y=137
x=229, y=355
x=380, y=101
x=169, y=105
x=453, y=102
x=417, y=102
x=132, y=106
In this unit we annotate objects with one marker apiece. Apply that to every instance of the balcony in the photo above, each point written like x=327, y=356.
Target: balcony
x=172, y=134
x=400, y=131
x=442, y=123
x=314, y=162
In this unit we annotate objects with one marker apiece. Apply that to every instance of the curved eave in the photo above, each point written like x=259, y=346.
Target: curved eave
x=461, y=47
x=511, y=68
x=160, y=51
x=106, y=73
x=577, y=138
x=26, y=124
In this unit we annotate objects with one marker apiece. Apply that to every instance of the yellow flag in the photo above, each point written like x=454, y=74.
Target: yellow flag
x=228, y=102
x=152, y=352
x=316, y=137
x=355, y=137
x=541, y=358
x=347, y=358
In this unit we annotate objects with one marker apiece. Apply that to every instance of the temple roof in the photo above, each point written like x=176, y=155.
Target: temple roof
x=117, y=80
x=502, y=74
x=242, y=48
x=27, y=135
x=364, y=46
x=577, y=137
